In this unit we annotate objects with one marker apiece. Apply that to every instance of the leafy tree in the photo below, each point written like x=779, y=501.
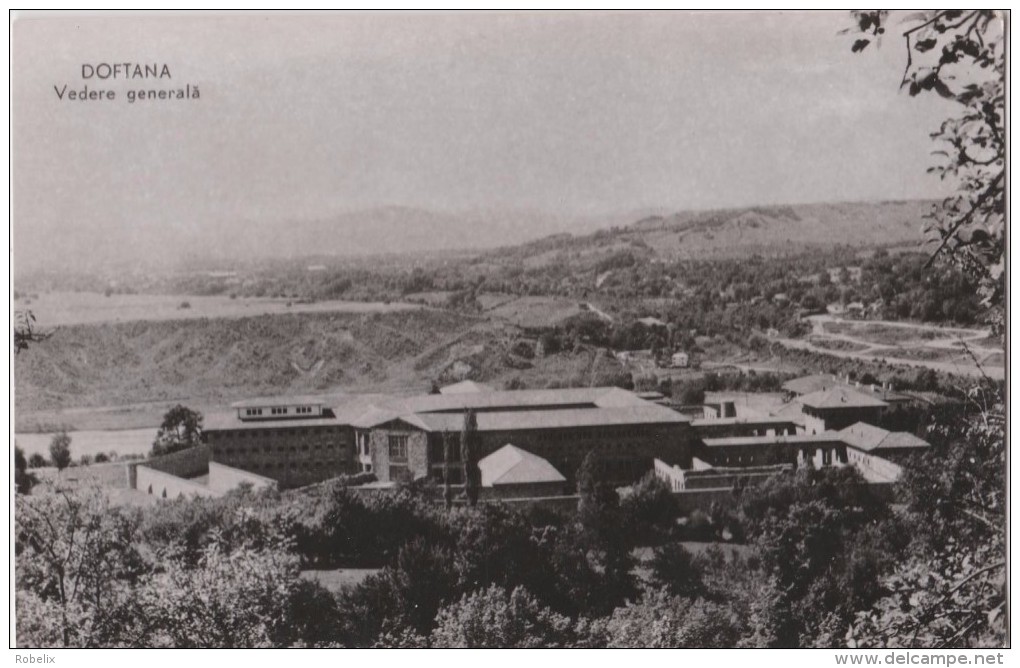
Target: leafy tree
x=959, y=55
x=25, y=331
x=60, y=450
x=469, y=453
x=447, y=457
x=950, y=592
x=75, y=560
x=660, y=620
x=23, y=480
x=181, y=429
x=37, y=461
x=675, y=568
x=649, y=511
x=494, y=618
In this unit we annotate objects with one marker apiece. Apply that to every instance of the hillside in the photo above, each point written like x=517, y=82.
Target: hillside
x=211, y=362
x=729, y=233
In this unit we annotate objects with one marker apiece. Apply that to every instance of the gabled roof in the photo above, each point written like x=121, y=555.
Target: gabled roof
x=730, y=441
x=465, y=386
x=517, y=399
x=809, y=384
x=649, y=414
x=866, y=437
x=512, y=466
x=841, y=396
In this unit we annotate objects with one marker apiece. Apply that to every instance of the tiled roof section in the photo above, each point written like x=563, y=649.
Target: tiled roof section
x=224, y=421
x=517, y=399
x=648, y=414
x=263, y=402
x=841, y=396
x=512, y=466
x=763, y=420
x=824, y=437
x=809, y=384
x=465, y=386
x=868, y=437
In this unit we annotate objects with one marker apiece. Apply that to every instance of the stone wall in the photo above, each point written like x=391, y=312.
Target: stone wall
x=528, y=490
x=222, y=478
x=184, y=463
x=167, y=485
x=415, y=466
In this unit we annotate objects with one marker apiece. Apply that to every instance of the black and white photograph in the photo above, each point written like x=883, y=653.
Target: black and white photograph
x=510, y=329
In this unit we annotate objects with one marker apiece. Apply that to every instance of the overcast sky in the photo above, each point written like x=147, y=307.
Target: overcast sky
x=565, y=113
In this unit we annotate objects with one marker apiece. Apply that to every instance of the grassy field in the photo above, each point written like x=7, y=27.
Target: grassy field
x=534, y=311
x=122, y=442
x=893, y=335
x=73, y=308
x=340, y=578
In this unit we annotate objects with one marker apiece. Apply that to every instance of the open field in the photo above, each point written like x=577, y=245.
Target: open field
x=122, y=441
x=534, y=311
x=906, y=344
x=339, y=579
x=55, y=309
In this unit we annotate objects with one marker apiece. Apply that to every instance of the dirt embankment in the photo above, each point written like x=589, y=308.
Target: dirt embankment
x=214, y=360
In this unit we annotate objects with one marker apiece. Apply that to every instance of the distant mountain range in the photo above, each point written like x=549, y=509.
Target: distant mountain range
x=396, y=229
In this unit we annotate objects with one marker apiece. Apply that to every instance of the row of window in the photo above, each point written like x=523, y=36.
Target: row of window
x=255, y=449
x=266, y=433
x=279, y=410
x=294, y=466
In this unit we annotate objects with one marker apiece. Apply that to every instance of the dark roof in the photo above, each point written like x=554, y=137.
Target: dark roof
x=222, y=421
x=764, y=420
x=593, y=396
x=824, y=437
x=649, y=414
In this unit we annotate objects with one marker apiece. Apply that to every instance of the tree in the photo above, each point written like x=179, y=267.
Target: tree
x=447, y=456
x=181, y=429
x=469, y=453
x=75, y=557
x=25, y=332
x=60, y=450
x=23, y=480
x=959, y=55
x=493, y=618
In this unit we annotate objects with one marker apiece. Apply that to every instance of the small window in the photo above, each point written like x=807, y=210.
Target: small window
x=398, y=447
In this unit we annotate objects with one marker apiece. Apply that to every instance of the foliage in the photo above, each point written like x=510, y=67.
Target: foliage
x=469, y=448
x=25, y=331
x=23, y=480
x=181, y=429
x=660, y=620
x=493, y=618
x=649, y=511
x=76, y=561
x=951, y=591
x=675, y=569
x=60, y=450
x=960, y=56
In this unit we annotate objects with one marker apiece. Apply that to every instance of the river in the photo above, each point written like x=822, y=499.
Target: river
x=121, y=441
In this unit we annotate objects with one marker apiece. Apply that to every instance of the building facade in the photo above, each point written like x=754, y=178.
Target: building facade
x=408, y=439
x=293, y=440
